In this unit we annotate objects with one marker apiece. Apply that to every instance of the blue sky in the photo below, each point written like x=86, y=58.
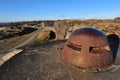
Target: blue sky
x=26, y=10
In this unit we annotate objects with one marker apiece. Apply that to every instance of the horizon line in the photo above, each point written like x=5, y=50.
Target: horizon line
x=60, y=19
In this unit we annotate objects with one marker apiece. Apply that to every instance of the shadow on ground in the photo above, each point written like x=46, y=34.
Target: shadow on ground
x=44, y=62
x=113, y=40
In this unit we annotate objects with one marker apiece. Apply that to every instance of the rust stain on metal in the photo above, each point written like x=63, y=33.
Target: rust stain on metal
x=88, y=48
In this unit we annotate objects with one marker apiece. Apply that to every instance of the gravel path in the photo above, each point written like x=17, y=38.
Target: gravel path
x=25, y=42
x=30, y=39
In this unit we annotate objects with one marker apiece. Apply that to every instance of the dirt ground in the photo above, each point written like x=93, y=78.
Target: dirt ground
x=44, y=62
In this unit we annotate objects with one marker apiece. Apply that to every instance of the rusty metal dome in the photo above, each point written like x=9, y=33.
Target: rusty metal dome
x=88, y=48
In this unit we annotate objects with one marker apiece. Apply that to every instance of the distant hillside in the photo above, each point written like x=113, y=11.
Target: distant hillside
x=117, y=18
x=1, y=23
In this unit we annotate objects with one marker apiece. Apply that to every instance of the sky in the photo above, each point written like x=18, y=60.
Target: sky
x=28, y=10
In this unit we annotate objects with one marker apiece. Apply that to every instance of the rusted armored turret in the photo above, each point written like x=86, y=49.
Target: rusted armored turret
x=88, y=48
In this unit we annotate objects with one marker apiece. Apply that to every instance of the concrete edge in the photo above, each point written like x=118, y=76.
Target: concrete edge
x=6, y=56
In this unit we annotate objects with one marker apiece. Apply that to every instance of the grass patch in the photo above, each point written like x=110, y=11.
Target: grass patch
x=12, y=42
x=42, y=37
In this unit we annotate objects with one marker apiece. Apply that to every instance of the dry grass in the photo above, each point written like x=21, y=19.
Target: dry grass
x=40, y=38
x=108, y=26
x=12, y=42
x=43, y=35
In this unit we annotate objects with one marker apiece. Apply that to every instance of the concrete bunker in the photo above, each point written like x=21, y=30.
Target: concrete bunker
x=88, y=48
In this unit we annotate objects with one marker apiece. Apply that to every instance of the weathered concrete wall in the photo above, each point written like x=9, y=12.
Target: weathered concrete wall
x=61, y=29
x=6, y=56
